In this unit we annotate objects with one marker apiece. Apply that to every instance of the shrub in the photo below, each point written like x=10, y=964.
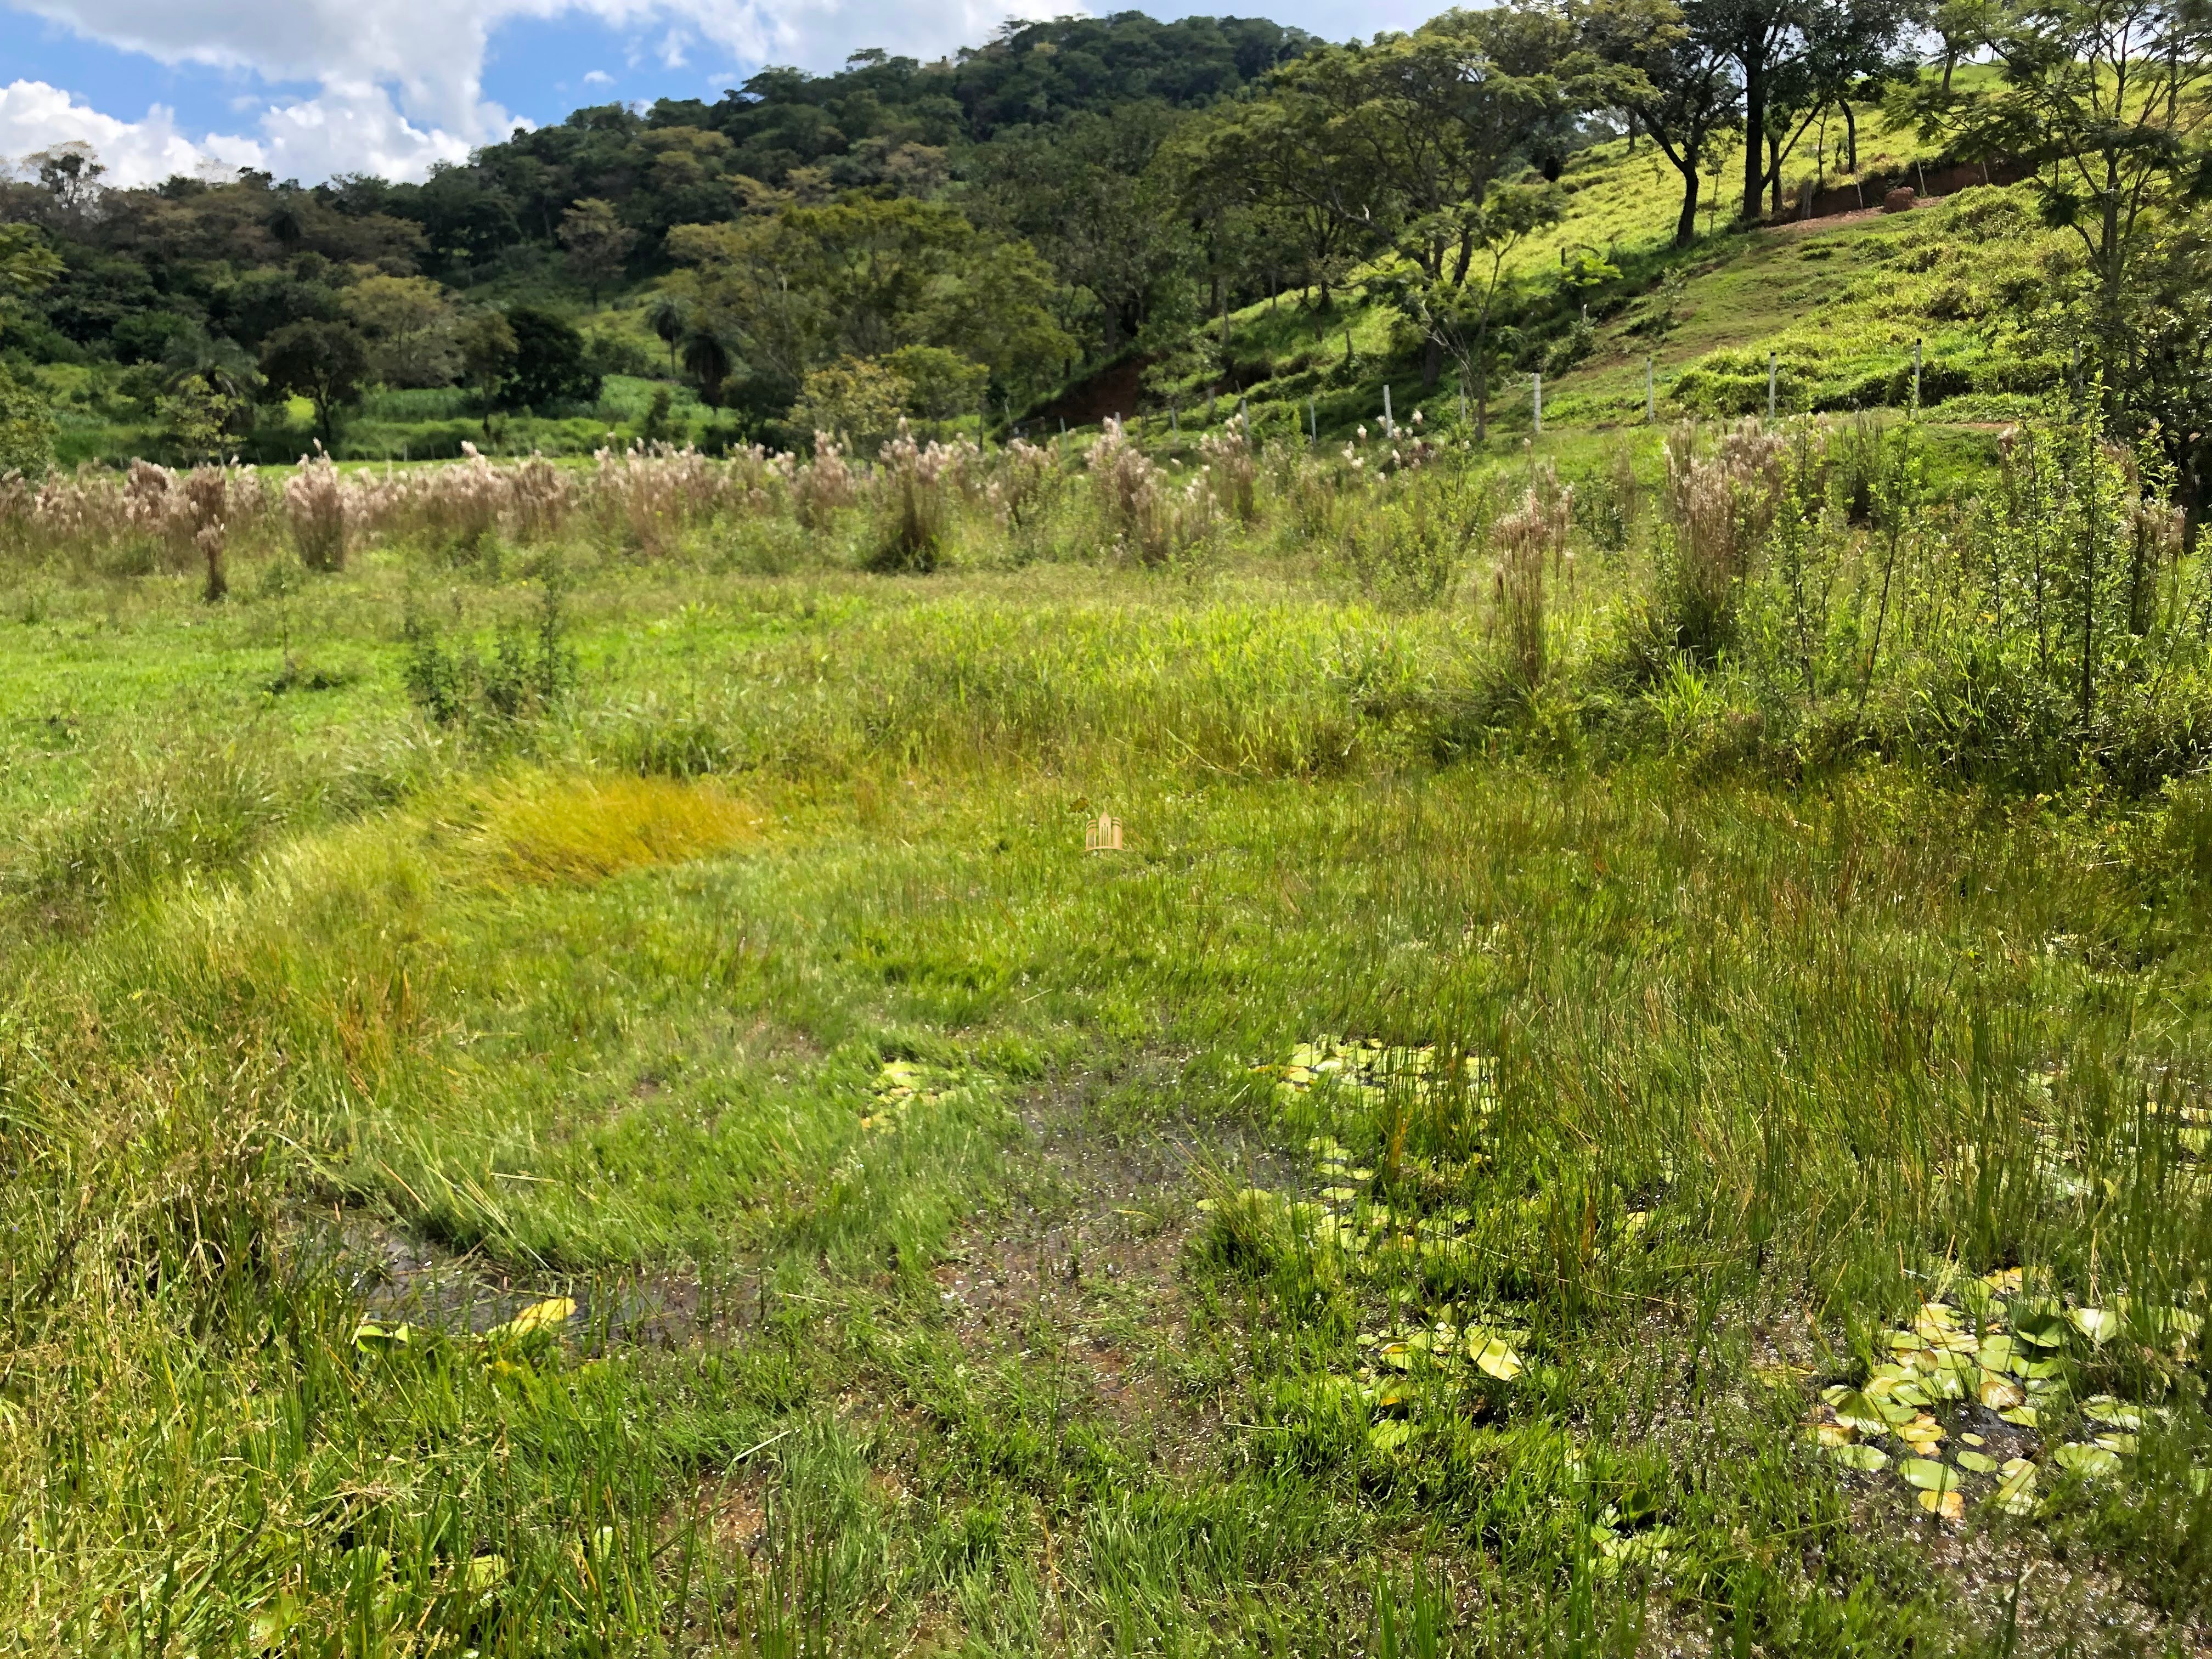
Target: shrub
x=823, y=485
x=1408, y=544
x=530, y=670
x=1145, y=513
x=1719, y=507
x=26, y=431
x=1232, y=470
x=207, y=496
x=315, y=503
x=917, y=517
x=1527, y=538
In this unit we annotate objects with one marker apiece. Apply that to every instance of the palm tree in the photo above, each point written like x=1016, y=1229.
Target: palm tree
x=669, y=317
x=706, y=360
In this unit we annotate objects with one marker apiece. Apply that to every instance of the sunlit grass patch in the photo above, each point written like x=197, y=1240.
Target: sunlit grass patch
x=584, y=829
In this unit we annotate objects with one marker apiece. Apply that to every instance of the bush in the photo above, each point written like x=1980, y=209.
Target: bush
x=550, y=364
x=26, y=430
x=529, y=671
x=1407, y=548
x=917, y=515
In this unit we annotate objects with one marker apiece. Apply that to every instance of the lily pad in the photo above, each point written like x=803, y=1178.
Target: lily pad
x=2093, y=1462
x=2041, y=1330
x=1872, y=1459
x=1978, y=1463
x=485, y=1571
x=2117, y=1413
x=550, y=1314
x=2099, y=1325
x=2015, y=1494
x=1492, y=1357
x=1854, y=1410
x=1928, y=1474
x=1935, y=1315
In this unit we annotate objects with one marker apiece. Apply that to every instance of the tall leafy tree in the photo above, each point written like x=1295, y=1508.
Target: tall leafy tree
x=411, y=325
x=550, y=363
x=325, y=363
x=1846, y=49
x=1085, y=194
x=1459, y=318
x=1286, y=156
x=805, y=286
x=1438, y=120
x=488, y=350
x=1767, y=39
x=2110, y=97
x=597, y=243
x=1674, y=83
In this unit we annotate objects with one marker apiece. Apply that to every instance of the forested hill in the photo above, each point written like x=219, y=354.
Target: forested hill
x=884, y=124
x=1118, y=216
x=1030, y=153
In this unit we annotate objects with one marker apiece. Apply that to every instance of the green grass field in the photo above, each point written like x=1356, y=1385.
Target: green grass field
x=698, y=1157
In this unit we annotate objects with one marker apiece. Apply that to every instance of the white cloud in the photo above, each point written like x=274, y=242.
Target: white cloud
x=349, y=127
x=34, y=116
x=400, y=83
x=599, y=78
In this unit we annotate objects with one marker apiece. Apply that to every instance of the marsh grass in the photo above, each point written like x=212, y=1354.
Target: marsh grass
x=1772, y=1044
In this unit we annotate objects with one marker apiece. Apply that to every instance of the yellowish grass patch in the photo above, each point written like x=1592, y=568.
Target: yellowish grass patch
x=583, y=829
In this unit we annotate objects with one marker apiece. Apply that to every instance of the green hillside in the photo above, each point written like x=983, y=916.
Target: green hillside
x=1839, y=300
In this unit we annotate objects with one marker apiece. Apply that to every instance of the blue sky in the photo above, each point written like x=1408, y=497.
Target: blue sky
x=308, y=88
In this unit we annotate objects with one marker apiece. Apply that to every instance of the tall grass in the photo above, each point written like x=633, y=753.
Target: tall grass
x=596, y=992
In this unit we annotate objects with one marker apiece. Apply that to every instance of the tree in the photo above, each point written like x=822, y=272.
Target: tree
x=488, y=350
x=199, y=419
x=28, y=266
x=26, y=430
x=803, y=287
x=2110, y=96
x=669, y=318
x=707, y=360
x=597, y=243
x=2166, y=374
x=218, y=360
x=325, y=363
x=855, y=400
x=69, y=173
x=1439, y=119
x=941, y=384
x=1766, y=39
x=550, y=367
x=1676, y=83
x=1285, y=155
x=411, y=326
x=1957, y=24
x=1845, y=48
x=1458, y=317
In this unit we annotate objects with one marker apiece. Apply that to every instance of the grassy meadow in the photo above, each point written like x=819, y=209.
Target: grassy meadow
x=1637, y=1084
